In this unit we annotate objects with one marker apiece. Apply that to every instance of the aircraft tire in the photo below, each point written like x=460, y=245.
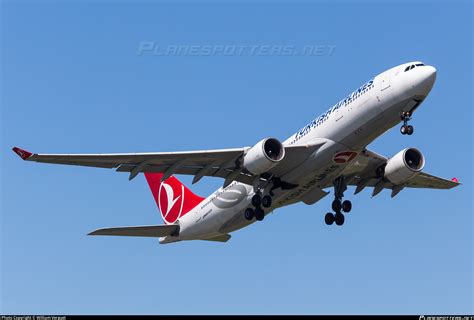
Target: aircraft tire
x=336, y=205
x=256, y=200
x=267, y=201
x=249, y=214
x=347, y=206
x=329, y=218
x=339, y=218
x=259, y=214
x=403, y=129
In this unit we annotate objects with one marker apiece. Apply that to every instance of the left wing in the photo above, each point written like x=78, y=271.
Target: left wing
x=215, y=162
x=224, y=163
x=363, y=173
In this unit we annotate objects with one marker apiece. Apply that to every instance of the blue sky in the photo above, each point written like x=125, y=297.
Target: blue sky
x=74, y=81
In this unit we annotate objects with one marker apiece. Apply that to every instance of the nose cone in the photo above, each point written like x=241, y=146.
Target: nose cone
x=426, y=79
x=429, y=74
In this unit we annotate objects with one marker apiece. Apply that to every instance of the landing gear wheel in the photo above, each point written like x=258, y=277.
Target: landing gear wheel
x=259, y=214
x=249, y=214
x=267, y=202
x=336, y=205
x=256, y=200
x=329, y=218
x=346, y=206
x=339, y=217
x=403, y=129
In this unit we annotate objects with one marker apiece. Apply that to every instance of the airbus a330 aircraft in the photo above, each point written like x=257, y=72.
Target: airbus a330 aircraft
x=329, y=152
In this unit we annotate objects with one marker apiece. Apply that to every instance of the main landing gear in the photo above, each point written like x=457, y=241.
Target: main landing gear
x=405, y=128
x=258, y=202
x=338, y=206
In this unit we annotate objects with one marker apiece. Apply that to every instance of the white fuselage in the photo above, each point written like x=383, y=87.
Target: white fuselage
x=350, y=125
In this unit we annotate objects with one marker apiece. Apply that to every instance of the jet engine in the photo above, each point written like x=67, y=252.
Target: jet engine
x=263, y=156
x=404, y=165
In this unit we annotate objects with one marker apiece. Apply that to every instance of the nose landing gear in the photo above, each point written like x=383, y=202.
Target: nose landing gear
x=338, y=206
x=405, y=128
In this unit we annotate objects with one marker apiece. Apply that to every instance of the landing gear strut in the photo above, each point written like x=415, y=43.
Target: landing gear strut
x=338, y=205
x=405, y=128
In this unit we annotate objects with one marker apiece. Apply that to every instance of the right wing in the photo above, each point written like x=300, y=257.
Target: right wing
x=363, y=173
x=224, y=163
x=140, y=231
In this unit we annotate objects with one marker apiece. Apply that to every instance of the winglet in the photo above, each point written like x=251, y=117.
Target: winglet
x=22, y=153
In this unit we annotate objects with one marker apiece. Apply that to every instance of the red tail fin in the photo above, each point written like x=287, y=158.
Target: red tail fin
x=173, y=198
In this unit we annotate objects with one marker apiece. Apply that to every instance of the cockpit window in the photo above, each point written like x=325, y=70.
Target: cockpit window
x=409, y=67
x=413, y=65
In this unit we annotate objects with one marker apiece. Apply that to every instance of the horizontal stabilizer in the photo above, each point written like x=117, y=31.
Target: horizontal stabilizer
x=139, y=231
x=222, y=238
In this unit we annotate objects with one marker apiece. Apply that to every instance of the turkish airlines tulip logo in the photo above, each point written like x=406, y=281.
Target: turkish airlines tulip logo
x=345, y=156
x=20, y=153
x=171, y=201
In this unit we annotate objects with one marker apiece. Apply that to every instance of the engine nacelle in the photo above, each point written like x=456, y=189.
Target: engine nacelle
x=263, y=156
x=404, y=165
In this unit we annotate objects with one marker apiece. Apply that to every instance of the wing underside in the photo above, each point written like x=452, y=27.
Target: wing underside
x=363, y=173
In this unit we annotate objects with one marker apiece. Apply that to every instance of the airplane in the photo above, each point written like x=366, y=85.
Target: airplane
x=329, y=152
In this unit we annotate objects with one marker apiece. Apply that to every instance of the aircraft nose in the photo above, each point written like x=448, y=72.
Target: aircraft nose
x=430, y=74
x=427, y=77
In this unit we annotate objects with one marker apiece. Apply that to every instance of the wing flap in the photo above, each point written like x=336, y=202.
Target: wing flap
x=138, y=231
